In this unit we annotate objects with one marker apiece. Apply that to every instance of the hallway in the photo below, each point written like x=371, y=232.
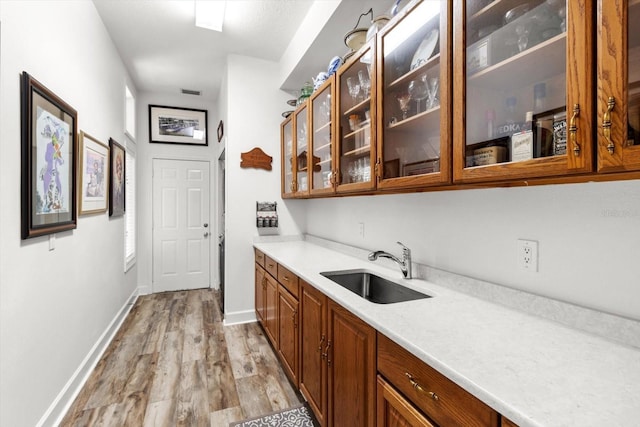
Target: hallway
x=173, y=363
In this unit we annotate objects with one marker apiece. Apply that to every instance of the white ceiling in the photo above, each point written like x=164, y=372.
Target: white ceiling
x=165, y=52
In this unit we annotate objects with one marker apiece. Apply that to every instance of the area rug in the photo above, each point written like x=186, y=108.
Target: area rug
x=298, y=416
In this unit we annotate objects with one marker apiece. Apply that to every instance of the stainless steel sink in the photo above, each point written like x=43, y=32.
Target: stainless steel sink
x=372, y=287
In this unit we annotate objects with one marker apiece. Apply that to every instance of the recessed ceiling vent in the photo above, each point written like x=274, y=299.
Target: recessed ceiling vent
x=191, y=92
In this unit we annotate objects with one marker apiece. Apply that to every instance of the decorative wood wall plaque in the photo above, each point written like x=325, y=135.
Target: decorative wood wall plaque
x=256, y=158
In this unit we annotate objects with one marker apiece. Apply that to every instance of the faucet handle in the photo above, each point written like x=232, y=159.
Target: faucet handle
x=404, y=248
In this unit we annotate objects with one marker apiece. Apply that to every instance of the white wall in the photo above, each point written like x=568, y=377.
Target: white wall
x=253, y=111
x=144, y=160
x=588, y=234
x=54, y=305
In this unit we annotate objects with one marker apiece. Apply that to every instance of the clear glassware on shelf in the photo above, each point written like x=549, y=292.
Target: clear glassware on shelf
x=434, y=88
x=403, y=100
x=418, y=90
x=354, y=88
x=365, y=82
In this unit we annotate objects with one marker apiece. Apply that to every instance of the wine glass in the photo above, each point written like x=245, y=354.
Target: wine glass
x=365, y=82
x=522, y=30
x=418, y=90
x=403, y=99
x=434, y=87
x=354, y=88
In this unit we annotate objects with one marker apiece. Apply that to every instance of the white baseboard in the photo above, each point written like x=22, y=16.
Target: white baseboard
x=61, y=404
x=145, y=290
x=238, y=317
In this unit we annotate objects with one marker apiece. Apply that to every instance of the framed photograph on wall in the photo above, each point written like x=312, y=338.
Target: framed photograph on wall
x=93, y=175
x=48, y=133
x=117, y=186
x=173, y=125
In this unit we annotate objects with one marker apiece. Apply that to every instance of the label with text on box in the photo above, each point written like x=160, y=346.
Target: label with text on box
x=522, y=146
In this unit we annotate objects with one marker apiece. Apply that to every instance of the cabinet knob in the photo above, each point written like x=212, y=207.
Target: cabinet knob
x=606, y=124
x=573, y=129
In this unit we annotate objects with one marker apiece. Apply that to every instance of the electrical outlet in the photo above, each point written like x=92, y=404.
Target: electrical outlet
x=361, y=229
x=528, y=255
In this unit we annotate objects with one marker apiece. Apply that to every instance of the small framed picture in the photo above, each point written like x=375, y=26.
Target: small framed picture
x=117, y=187
x=49, y=129
x=93, y=175
x=173, y=125
x=220, y=131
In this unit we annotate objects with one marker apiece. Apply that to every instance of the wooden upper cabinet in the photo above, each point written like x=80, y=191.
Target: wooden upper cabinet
x=618, y=100
x=414, y=97
x=286, y=138
x=523, y=89
x=356, y=117
x=322, y=139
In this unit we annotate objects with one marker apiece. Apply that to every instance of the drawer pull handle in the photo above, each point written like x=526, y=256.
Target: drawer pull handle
x=418, y=387
x=285, y=278
x=573, y=129
x=270, y=265
x=320, y=346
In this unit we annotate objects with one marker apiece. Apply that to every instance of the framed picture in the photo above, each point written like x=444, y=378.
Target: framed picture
x=391, y=169
x=220, y=131
x=117, y=186
x=422, y=167
x=48, y=133
x=93, y=175
x=172, y=125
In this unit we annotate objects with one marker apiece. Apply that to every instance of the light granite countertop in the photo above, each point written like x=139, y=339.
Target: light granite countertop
x=533, y=371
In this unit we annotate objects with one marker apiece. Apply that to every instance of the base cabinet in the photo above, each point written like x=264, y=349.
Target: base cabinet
x=288, y=333
x=396, y=411
x=351, y=362
x=313, y=345
x=337, y=363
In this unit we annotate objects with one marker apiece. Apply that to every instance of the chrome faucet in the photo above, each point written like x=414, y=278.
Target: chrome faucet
x=404, y=263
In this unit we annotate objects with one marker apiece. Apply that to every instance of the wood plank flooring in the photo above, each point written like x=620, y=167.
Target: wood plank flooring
x=173, y=363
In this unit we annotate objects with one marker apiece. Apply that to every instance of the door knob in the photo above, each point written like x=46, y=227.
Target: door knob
x=206, y=225
x=206, y=234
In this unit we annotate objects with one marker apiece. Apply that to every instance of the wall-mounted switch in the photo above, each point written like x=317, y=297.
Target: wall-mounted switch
x=361, y=229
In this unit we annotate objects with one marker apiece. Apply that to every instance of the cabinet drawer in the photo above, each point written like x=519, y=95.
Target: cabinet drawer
x=441, y=400
x=271, y=266
x=259, y=257
x=288, y=280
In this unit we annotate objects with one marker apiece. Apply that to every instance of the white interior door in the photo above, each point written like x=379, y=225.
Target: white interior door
x=181, y=227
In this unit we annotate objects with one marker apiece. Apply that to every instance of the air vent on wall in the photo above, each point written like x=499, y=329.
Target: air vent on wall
x=191, y=92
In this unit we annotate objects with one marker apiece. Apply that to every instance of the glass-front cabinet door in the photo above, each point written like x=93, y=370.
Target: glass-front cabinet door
x=523, y=90
x=618, y=101
x=414, y=136
x=322, y=138
x=356, y=107
x=301, y=161
x=286, y=138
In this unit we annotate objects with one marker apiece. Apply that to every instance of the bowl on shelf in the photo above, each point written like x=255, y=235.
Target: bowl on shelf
x=355, y=39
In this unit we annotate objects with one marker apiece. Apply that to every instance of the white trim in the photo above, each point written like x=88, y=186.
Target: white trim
x=61, y=404
x=238, y=317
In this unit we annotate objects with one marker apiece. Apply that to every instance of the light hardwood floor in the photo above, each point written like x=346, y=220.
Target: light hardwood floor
x=173, y=363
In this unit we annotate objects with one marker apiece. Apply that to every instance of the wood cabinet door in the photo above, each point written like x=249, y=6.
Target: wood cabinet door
x=271, y=309
x=395, y=411
x=260, y=293
x=523, y=76
x=618, y=100
x=286, y=150
x=288, y=332
x=313, y=345
x=351, y=362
